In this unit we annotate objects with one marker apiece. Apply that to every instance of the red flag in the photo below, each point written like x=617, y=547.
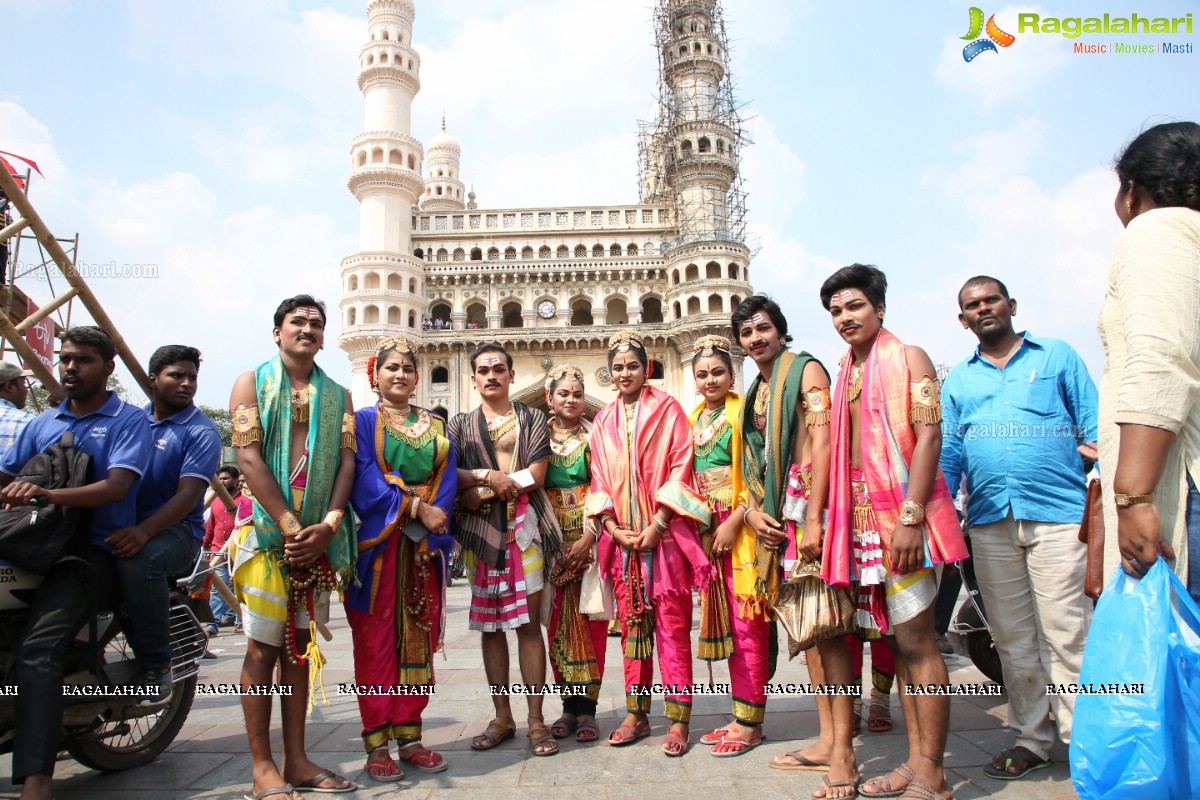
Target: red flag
x=13, y=172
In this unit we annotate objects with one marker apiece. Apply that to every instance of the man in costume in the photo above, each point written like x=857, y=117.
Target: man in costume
x=891, y=517
x=508, y=531
x=785, y=430
x=1026, y=493
x=294, y=431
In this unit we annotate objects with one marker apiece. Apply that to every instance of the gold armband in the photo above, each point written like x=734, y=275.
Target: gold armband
x=289, y=524
x=348, y=437
x=334, y=520
x=245, y=424
x=925, y=398
x=817, y=406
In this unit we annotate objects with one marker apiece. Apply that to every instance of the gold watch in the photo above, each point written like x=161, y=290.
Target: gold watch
x=1127, y=500
x=912, y=513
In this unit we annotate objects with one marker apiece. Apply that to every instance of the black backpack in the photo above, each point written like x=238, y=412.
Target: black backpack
x=35, y=537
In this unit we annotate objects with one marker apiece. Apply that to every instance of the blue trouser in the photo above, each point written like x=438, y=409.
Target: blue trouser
x=1193, y=540
x=144, y=581
x=220, y=609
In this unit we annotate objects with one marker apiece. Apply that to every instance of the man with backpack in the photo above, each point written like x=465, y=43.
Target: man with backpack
x=117, y=437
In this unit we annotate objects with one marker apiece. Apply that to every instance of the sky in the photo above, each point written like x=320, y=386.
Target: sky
x=207, y=146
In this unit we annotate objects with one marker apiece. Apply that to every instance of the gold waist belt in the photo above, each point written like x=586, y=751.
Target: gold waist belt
x=568, y=507
x=710, y=481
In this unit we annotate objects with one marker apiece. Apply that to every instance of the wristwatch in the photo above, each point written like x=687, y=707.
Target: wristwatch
x=481, y=476
x=1127, y=500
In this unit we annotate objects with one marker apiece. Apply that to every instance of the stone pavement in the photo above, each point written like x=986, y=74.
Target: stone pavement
x=208, y=760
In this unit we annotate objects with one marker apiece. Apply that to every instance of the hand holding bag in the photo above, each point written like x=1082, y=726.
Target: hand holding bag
x=811, y=610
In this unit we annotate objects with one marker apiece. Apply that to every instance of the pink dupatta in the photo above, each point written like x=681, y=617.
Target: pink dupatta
x=887, y=440
x=629, y=485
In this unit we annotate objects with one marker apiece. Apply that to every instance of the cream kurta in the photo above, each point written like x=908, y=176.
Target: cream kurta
x=1150, y=328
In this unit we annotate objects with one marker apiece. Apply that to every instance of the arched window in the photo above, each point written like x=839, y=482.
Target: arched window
x=352, y=283
x=527, y=253
x=493, y=254
x=440, y=312
x=674, y=277
x=377, y=155
x=441, y=412
x=476, y=316
x=734, y=302
x=394, y=157
x=459, y=254
x=394, y=282
x=394, y=315
x=733, y=272
x=631, y=250
x=442, y=255
x=383, y=57
x=563, y=252
x=476, y=254
x=654, y=370
x=544, y=252
x=362, y=158
x=439, y=191
x=352, y=316
x=678, y=311
x=618, y=313
x=685, y=148
x=716, y=305
x=370, y=315
x=652, y=310
x=581, y=311
x=419, y=254
x=510, y=254
x=615, y=250
x=693, y=306
x=580, y=251
x=412, y=319
x=712, y=270
x=598, y=251
x=372, y=281
x=510, y=315
x=704, y=145
x=440, y=375
x=683, y=49
x=412, y=162
x=385, y=34
x=412, y=285
x=691, y=273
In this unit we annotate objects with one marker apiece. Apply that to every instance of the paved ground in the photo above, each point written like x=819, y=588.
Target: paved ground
x=208, y=760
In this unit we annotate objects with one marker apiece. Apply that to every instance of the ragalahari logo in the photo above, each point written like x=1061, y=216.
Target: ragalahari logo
x=995, y=36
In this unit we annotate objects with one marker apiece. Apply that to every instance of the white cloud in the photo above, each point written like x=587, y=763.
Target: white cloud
x=993, y=78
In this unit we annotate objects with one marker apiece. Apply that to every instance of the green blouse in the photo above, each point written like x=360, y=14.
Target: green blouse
x=415, y=464
x=567, y=472
x=714, y=453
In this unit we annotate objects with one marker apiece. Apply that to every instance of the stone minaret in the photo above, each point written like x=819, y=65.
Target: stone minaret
x=444, y=189
x=383, y=288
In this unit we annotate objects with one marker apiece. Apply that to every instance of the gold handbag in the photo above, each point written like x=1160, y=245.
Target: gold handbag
x=811, y=610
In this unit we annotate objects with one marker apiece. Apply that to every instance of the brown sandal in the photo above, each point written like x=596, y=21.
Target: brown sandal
x=494, y=734
x=541, y=740
x=879, y=718
x=904, y=771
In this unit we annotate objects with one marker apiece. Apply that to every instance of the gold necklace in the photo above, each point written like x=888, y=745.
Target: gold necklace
x=855, y=388
x=300, y=412
x=761, y=403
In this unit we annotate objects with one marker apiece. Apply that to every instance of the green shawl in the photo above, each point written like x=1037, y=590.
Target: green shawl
x=327, y=404
x=765, y=463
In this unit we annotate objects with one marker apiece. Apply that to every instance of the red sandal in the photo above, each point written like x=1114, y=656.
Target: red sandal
x=422, y=758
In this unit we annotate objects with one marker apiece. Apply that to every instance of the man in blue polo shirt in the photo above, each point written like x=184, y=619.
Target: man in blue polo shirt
x=1016, y=418
x=117, y=436
x=170, y=511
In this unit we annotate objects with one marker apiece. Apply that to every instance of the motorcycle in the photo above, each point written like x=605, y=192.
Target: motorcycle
x=105, y=732
x=971, y=623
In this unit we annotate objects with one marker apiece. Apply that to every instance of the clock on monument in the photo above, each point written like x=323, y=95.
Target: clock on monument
x=546, y=309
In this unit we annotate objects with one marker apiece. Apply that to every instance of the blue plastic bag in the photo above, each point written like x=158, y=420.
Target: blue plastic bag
x=1128, y=745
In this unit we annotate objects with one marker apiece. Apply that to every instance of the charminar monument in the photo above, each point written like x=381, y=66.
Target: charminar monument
x=550, y=284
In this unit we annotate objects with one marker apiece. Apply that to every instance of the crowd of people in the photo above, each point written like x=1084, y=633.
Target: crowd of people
x=566, y=524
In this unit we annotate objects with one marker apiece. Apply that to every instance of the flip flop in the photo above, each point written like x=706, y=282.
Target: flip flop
x=743, y=746
x=424, y=759
x=904, y=771
x=626, y=735
x=562, y=727
x=713, y=737
x=383, y=771
x=589, y=728
x=310, y=785
x=838, y=785
x=1011, y=757
x=803, y=763
x=494, y=734
x=265, y=793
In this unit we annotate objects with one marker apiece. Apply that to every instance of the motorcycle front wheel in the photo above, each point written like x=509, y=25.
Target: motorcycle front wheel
x=119, y=745
x=984, y=655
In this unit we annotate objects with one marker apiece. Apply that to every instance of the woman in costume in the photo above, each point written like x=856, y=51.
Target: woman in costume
x=644, y=497
x=404, y=489
x=575, y=640
x=733, y=617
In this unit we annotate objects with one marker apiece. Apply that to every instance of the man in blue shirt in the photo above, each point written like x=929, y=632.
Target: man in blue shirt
x=170, y=511
x=13, y=393
x=1016, y=417
x=117, y=437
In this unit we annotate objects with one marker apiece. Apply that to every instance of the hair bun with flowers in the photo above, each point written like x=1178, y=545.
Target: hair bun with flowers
x=623, y=340
x=567, y=371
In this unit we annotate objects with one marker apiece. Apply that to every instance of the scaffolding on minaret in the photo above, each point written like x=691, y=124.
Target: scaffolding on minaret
x=691, y=39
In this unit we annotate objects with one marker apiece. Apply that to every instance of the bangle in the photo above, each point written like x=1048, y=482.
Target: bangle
x=288, y=523
x=661, y=524
x=911, y=513
x=412, y=510
x=481, y=476
x=334, y=520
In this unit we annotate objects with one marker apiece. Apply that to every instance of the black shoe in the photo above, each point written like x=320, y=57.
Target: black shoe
x=156, y=686
x=944, y=645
